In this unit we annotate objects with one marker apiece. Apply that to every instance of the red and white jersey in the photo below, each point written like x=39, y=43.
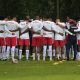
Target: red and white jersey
x=50, y=26
x=37, y=27
x=61, y=30
x=25, y=25
x=2, y=28
x=11, y=25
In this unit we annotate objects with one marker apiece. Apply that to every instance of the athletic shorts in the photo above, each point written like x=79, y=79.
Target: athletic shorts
x=2, y=41
x=23, y=42
x=37, y=41
x=59, y=43
x=47, y=41
x=11, y=41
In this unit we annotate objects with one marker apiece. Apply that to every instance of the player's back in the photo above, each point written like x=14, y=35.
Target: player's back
x=36, y=25
x=48, y=25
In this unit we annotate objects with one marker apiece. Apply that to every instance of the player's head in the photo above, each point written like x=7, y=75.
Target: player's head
x=6, y=18
x=57, y=20
x=27, y=18
x=37, y=18
x=14, y=18
x=48, y=18
x=67, y=18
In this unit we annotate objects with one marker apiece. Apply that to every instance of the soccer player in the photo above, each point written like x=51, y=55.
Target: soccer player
x=11, y=39
x=72, y=40
x=2, y=38
x=49, y=28
x=59, y=39
x=24, y=38
x=36, y=27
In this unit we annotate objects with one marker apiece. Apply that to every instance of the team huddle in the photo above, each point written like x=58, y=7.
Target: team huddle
x=52, y=39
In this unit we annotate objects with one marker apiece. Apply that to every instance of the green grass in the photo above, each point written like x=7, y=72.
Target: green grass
x=39, y=70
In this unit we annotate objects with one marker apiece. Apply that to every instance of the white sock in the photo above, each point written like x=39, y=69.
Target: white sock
x=63, y=56
x=8, y=52
x=3, y=52
x=50, y=52
x=44, y=52
x=1, y=56
x=36, y=50
x=20, y=54
x=38, y=56
x=54, y=54
x=34, y=56
x=27, y=54
x=16, y=52
x=12, y=52
x=58, y=56
x=78, y=56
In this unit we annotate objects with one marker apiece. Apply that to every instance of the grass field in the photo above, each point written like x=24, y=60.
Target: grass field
x=39, y=70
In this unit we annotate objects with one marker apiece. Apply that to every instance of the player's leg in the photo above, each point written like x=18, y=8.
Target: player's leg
x=38, y=53
x=57, y=48
x=8, y=52
x=27, y=43
x=53, y=50
x=75, y=50
x=39, y=44
x=13, y=53
x=13, y=46
x=3, y=48
x=4, y=52
x=50, y=52
x=62, y=49
x=8, y=44
x=17, y=48
x=34, y=47
x=44, y=48
x=68, y=46
x=34, y=53
x=78, y=50
x=21, y=43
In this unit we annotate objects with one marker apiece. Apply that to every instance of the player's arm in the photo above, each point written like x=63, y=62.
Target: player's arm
x=54, y=29
x=47, y=29
x=6, y=30
x=67, y=31
x=15, y=30
x=24, y=31
x=34, y=32
x=77, y=30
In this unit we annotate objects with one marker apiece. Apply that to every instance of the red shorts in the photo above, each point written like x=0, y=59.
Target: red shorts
x=2, y=41
x=47, y=41
x=11, y=41
x=37, y=41
x=59, y=43
x=78, y=42
x=23, y=42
